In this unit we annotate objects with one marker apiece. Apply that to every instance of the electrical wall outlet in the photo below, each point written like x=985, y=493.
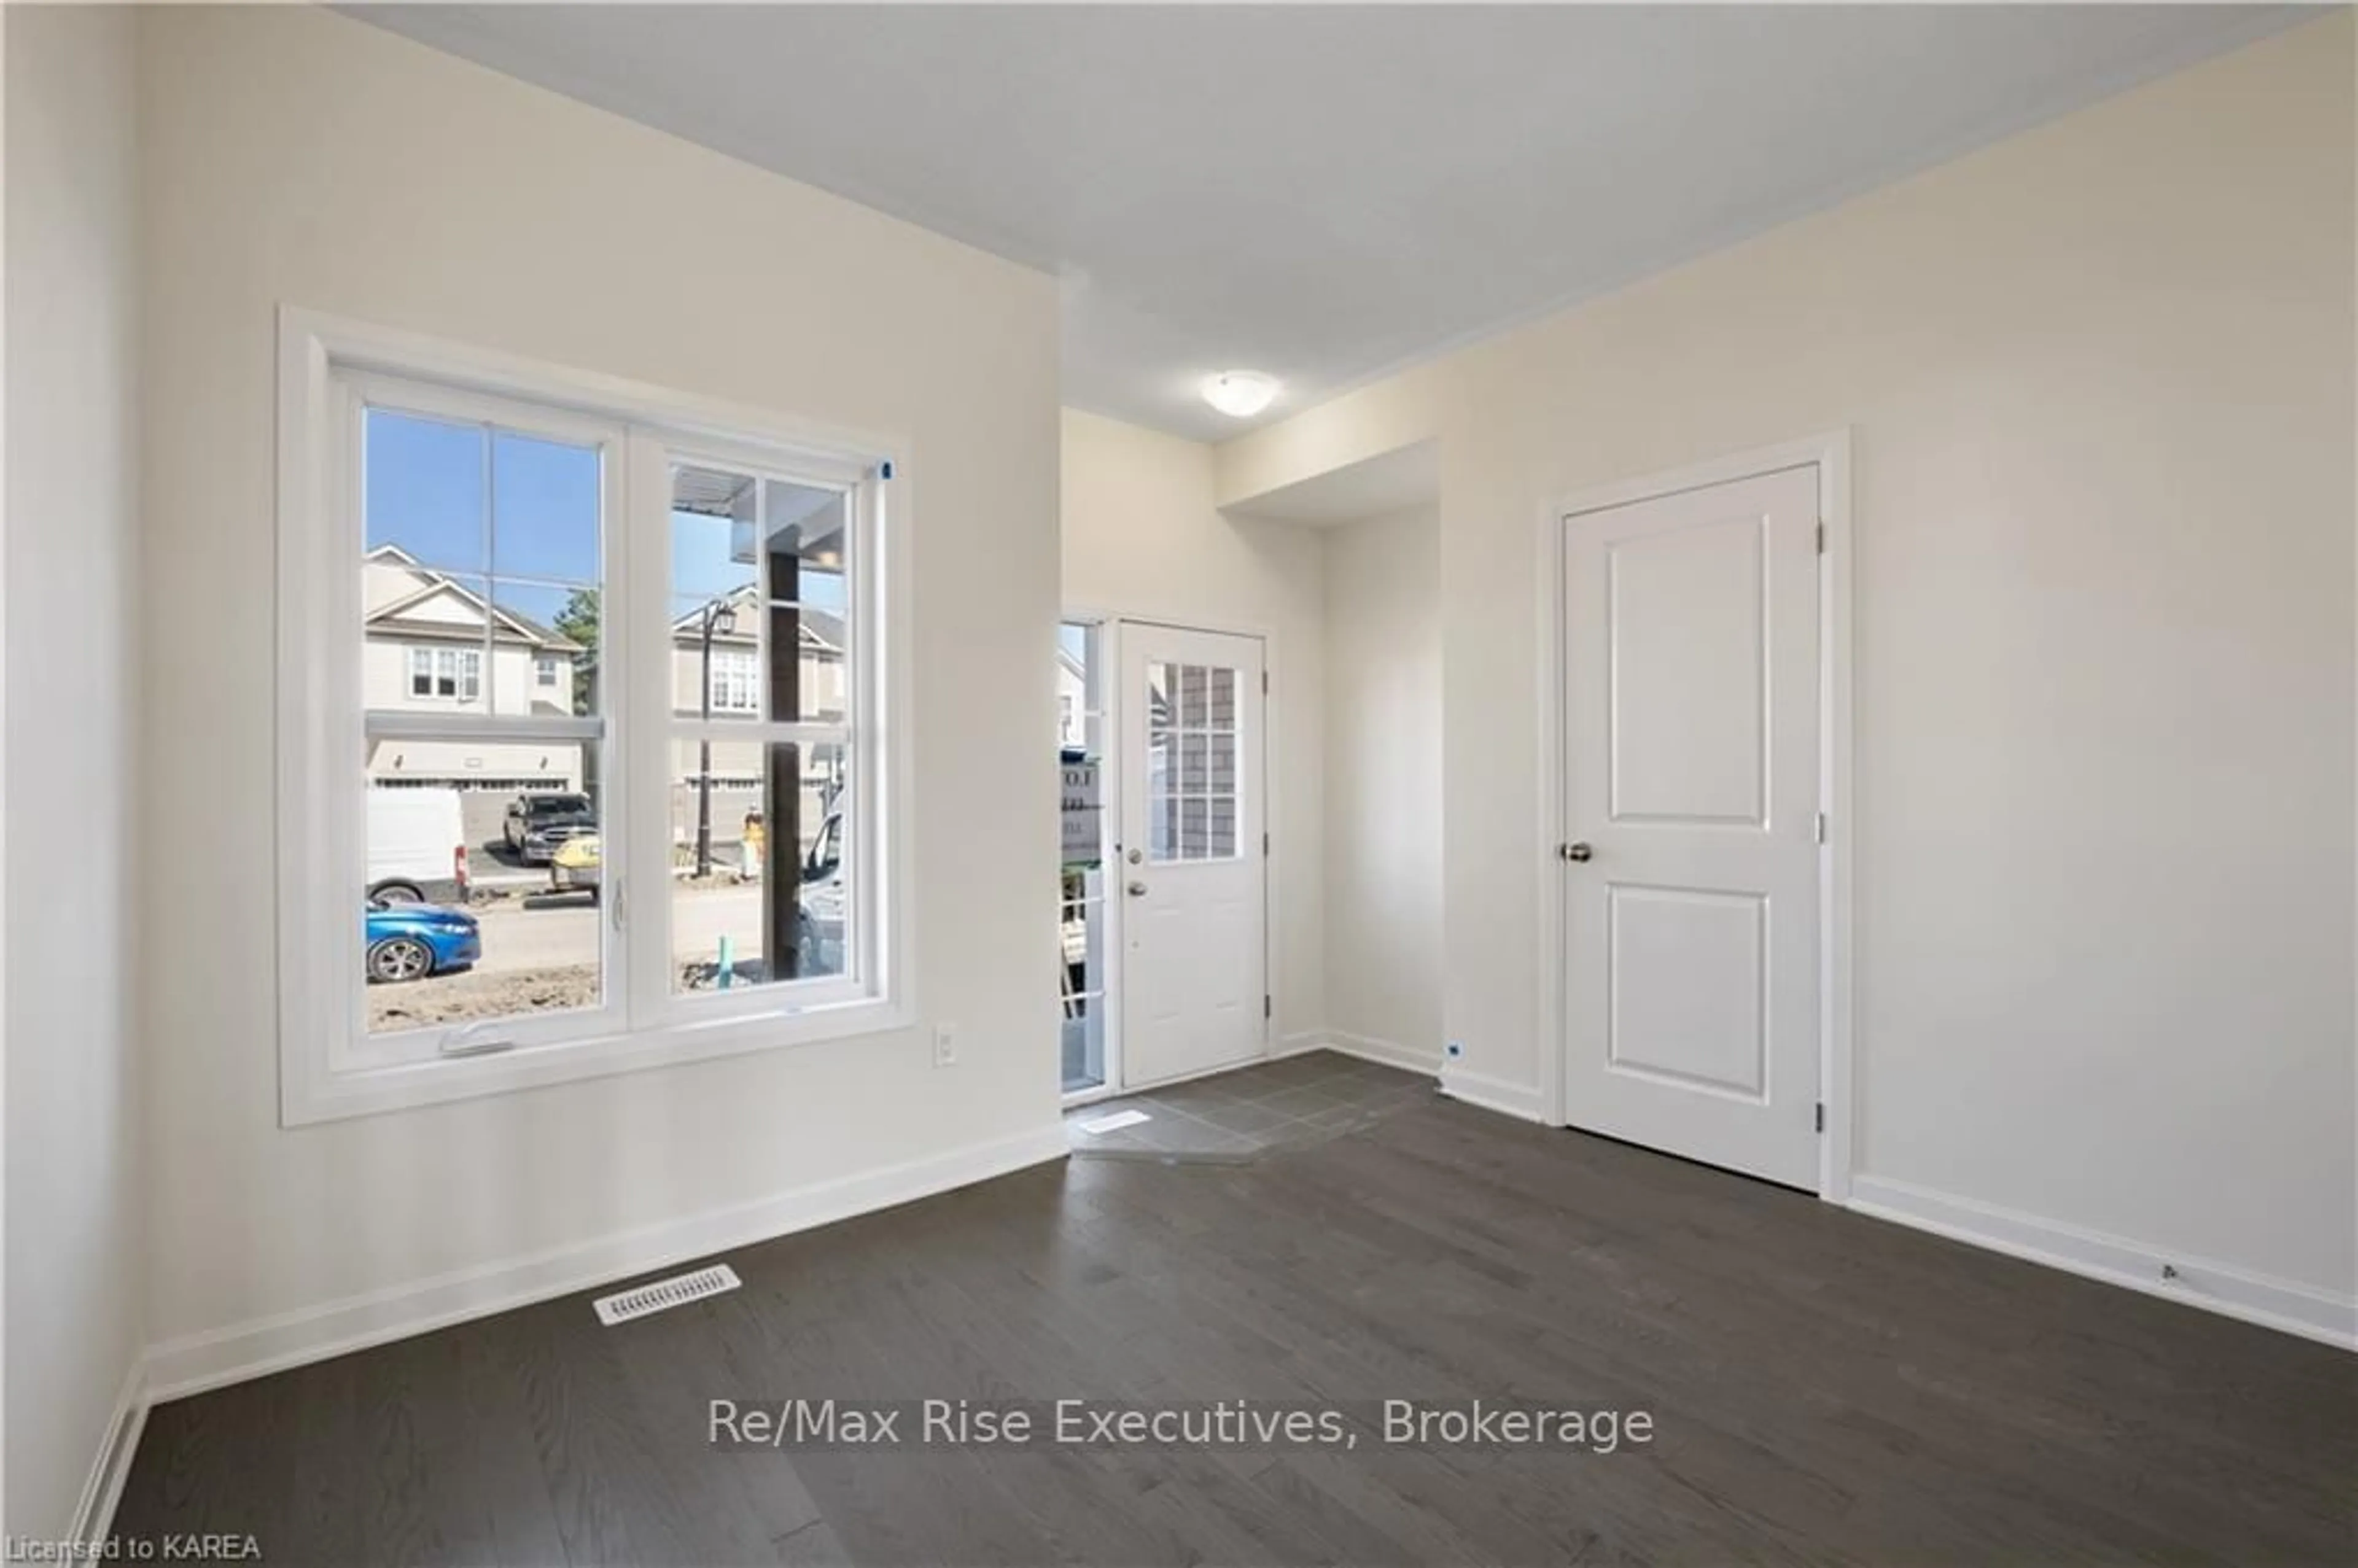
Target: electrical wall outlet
x=945, y=1045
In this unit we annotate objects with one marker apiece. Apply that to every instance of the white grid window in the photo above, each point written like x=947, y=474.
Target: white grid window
x=736, y=681
x=1191, y=763
x=446, y=674
x=438, y=537
x=766, y=598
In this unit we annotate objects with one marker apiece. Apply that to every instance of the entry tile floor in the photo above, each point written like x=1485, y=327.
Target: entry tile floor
x=1237, y=1115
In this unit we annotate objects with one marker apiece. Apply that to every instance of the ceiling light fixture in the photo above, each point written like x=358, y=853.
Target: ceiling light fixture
x=1241, y=393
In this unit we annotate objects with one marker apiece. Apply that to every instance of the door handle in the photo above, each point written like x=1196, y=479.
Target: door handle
x=1138, y=889
x=1581, y=852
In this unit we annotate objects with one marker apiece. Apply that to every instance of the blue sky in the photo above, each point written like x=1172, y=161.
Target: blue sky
x=425, y=494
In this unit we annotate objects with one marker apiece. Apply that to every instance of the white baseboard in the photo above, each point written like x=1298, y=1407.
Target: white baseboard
x=1493, y=1094
x=93, y=1513
x=1391, y=1054
x=195, y=1362
x=2199, y=1282
x=1294, y=1045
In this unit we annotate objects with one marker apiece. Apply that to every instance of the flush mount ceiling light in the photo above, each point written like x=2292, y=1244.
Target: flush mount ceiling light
x=1241, y=393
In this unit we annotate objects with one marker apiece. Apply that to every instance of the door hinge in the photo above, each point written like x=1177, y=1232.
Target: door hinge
x=1264, y=683
x=1264, y=844
x=1268, y=1009
x=1821, y=539
x=1822, y=826
x=1822, y=1116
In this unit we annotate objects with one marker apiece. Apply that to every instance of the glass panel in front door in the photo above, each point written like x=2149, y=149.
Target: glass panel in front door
x=1191, y=763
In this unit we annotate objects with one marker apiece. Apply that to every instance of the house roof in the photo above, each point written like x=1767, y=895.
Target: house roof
x=394, y=612
x=820, y=628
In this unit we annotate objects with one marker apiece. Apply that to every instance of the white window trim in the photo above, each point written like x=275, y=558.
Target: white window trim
x=317, y=591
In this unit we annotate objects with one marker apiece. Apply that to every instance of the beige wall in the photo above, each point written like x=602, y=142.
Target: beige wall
x=1141, y=537
x=290, y=155
x=1383, y=806
x=2100, y=378
x=76, y=1280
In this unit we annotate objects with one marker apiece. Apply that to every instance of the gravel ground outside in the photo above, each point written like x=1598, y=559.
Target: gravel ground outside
x=456, y=999
x=463, y=997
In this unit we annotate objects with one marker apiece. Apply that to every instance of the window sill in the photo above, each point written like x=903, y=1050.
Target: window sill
x=322, y=1096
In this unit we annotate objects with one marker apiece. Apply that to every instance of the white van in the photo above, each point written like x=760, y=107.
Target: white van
x=416, y=847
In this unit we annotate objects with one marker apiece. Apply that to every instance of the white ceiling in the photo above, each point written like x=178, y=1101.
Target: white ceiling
x=1328, y=193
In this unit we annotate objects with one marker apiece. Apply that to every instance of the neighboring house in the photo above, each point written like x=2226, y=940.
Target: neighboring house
x=819, y=639
x=428, y=651
x=736, y=673
x=434, y=646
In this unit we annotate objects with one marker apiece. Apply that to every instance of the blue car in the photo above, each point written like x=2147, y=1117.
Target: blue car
x=411, y=941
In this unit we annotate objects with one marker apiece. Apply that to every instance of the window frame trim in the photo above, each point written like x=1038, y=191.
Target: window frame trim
x=320, y=716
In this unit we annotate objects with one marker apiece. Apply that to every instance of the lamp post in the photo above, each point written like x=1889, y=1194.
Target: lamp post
x=718, y=617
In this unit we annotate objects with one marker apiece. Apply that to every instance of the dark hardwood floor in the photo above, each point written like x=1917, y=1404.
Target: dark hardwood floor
x=1250, y=1112
x=1823, y=1388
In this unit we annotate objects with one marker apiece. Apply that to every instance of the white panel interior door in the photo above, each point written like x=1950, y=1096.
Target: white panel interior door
x=1189, y=863
x=1691, y=686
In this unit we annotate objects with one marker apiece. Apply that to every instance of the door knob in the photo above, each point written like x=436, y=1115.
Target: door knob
x=1575, y=851
x=1138, y=889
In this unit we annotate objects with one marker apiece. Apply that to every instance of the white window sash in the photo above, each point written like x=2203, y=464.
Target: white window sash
x=353, y=1052
x=874, y=946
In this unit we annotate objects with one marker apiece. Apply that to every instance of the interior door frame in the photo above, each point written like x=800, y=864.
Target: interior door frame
x=1831, y=453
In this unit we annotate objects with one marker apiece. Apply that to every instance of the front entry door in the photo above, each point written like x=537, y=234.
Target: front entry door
x=1189, y=864
x=1690, y=865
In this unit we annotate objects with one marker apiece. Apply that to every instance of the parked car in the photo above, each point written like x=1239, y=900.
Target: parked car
x=411, y=941
x=416, y=847
x=537, y=826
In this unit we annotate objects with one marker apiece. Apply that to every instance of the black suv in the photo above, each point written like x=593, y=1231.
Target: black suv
x=538, y=825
